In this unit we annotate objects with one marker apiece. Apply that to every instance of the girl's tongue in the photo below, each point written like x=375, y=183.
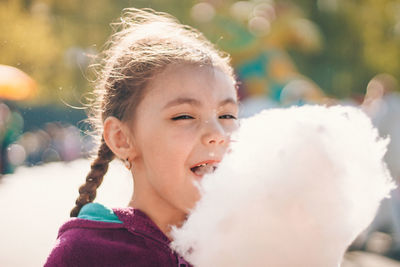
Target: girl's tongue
x=204, y=169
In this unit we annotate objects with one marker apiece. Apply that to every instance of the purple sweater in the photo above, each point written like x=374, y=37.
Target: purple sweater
x=124, y=237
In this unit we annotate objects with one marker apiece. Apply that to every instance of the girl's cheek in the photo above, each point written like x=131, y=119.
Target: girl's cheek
x=236, y=124
x=182, y=137
x=231, y=126
x=187, y=130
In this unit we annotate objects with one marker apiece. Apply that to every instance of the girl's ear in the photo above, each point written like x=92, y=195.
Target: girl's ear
x=118, y=139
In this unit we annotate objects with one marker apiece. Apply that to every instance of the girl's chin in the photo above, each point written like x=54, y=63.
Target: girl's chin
x=190, y=206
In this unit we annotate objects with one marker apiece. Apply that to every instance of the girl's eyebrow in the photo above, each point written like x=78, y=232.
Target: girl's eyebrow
x=182, y=100
x=229, y=100
x=195, y=102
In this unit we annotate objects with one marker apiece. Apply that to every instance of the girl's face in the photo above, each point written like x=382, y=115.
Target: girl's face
x=180, y=132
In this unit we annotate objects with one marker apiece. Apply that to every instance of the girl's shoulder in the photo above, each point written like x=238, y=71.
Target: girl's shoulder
x=92, y=220
x=100, y=236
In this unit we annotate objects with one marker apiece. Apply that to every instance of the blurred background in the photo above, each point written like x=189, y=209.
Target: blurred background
x=284, y=53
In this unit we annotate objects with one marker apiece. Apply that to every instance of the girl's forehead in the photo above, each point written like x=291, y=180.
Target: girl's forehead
x=184, y=80
x=187, y=73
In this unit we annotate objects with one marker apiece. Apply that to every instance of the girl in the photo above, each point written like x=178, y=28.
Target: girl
x=166, y=106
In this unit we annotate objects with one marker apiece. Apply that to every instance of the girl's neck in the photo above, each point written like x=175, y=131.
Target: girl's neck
x=161, y=213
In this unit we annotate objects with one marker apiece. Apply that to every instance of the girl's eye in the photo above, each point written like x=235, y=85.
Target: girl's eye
x=227, y=116
x=182, y=117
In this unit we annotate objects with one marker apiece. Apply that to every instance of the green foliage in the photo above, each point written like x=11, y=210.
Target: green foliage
x=362, y=39
x=52, y=40
x=27, y=41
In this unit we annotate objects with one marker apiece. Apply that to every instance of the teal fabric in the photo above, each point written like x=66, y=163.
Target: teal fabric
x=98, y=212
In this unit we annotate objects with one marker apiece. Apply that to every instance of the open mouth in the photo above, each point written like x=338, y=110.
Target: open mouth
x=204, y=168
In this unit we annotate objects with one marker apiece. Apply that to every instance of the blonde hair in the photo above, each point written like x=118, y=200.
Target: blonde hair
x=145, y=43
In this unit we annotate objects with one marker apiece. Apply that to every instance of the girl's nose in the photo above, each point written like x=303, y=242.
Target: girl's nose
x=214, y=134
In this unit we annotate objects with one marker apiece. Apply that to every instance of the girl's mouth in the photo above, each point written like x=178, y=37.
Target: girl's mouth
x=204, y=168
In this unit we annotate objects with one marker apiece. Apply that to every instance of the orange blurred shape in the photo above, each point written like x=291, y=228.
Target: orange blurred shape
x=15, y=84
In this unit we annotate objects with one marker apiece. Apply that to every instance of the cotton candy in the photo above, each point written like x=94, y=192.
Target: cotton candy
x=296, y=188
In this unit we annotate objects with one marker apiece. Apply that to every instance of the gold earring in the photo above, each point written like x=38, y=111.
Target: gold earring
x=128, y=164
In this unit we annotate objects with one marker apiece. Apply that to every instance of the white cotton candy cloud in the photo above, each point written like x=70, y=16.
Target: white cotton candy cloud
x=297, y=188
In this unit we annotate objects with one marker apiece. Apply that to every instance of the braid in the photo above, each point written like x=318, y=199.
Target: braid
x=87, y=191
